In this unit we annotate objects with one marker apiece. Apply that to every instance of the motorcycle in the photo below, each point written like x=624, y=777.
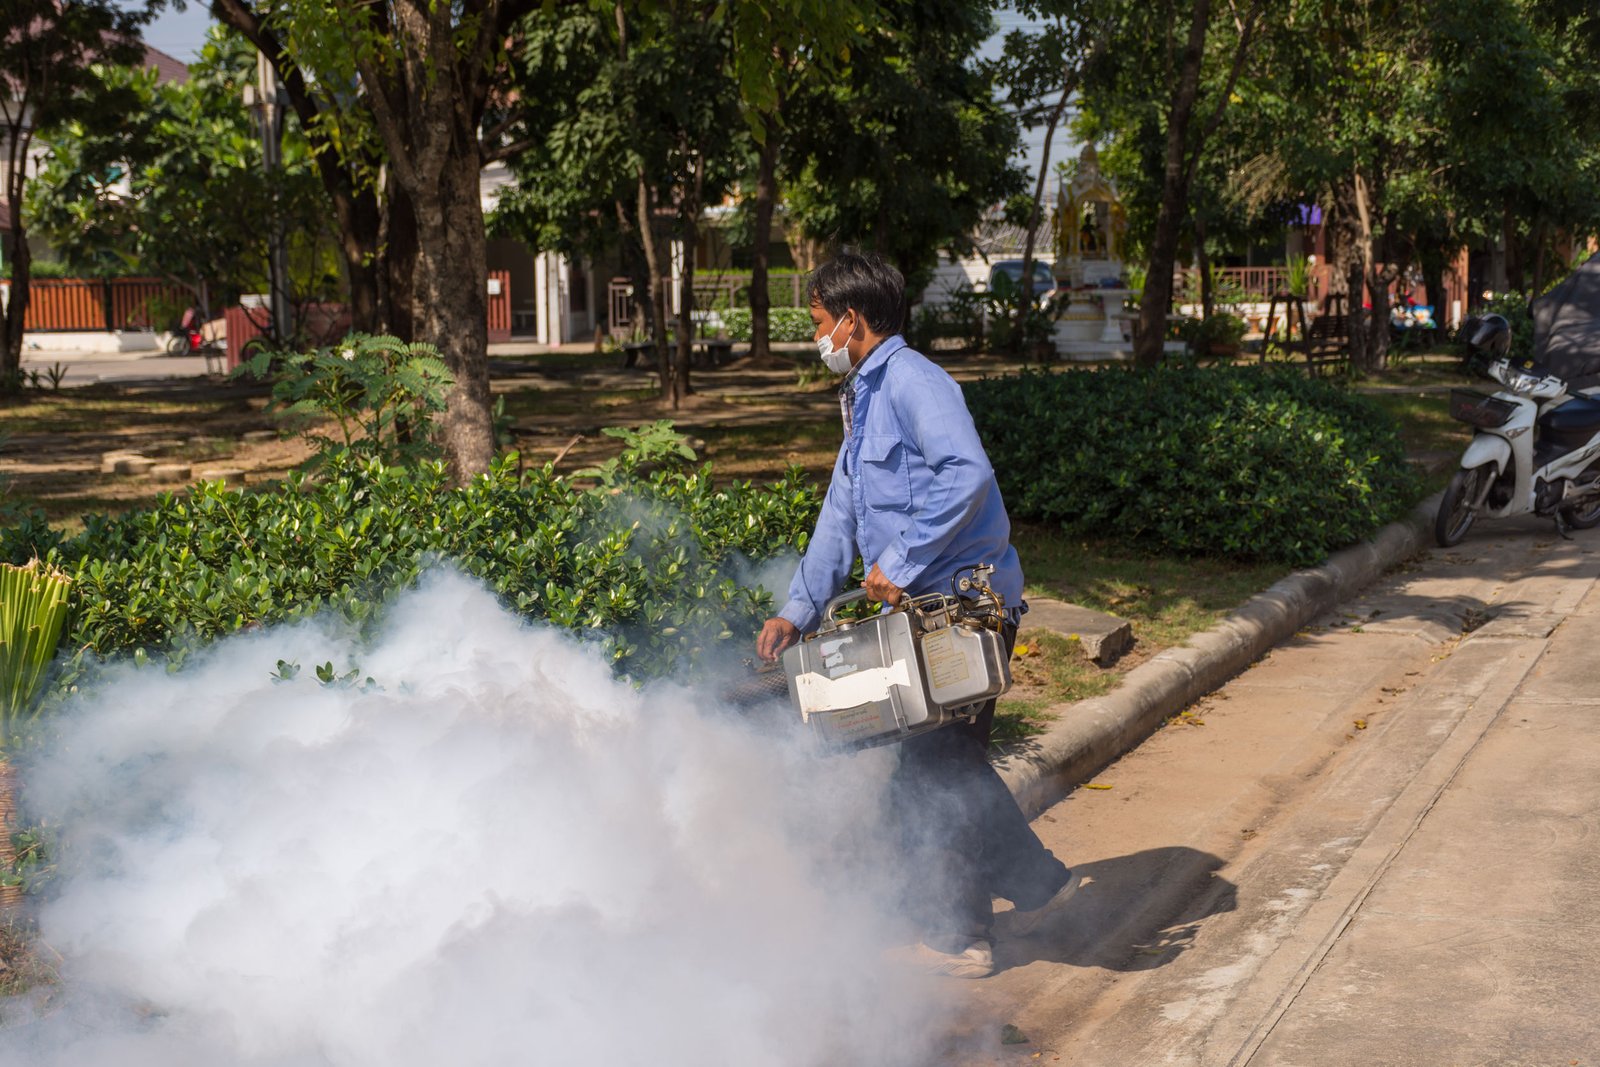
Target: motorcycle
x=1535, y=449
x=186, y=336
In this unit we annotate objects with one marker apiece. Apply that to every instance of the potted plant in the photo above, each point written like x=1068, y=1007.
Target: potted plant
x=1219, y=335
x=1298, y=281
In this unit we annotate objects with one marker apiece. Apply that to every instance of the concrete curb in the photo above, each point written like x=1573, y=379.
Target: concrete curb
x=1092, y=734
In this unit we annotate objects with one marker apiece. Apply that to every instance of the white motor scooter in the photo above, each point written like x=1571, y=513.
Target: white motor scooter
x=1536, y=448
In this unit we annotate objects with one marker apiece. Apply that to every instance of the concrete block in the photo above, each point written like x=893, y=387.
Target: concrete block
x=1104, y=637
x=256, y=437
x=132, y=465
x=231, y=477
x=170, y=472
x=109, y=461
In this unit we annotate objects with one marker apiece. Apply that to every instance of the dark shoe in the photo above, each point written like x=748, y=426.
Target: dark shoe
x=1024, y=923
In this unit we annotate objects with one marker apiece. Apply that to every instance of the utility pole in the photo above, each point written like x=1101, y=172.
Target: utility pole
x=267, y=100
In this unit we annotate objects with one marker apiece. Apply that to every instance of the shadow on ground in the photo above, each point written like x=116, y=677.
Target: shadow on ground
x=1134, y=913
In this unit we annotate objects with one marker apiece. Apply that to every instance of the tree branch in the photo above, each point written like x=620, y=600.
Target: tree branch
x=494, y=155
x=1239, y=54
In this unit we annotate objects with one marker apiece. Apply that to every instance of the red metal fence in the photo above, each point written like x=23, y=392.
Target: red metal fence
x=1258, y=284
x=499, y=306
x=103, y=303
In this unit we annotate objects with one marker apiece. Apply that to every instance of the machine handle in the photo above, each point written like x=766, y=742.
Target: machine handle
x=840, y=601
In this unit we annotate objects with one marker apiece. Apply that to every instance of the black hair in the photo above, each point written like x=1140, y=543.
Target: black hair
x=866, y=282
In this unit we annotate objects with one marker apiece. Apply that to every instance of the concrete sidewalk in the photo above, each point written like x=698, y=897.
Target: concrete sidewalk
x=1375, y=846
x=1460, y=931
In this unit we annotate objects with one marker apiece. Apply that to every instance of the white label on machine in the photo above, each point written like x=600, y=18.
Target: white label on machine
x=820, y=693
x=946, y=664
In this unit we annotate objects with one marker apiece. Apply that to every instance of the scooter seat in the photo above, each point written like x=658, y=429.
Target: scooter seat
x=1573, y=423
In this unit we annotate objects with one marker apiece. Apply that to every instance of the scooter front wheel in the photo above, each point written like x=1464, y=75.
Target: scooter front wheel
x=1458, y=508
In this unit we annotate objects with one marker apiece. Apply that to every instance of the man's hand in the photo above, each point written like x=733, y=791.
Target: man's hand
x=880, y=588
x=776, y=635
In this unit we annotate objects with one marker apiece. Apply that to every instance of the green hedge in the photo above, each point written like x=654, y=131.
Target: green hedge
x=1249, y=463
x=784, y=324
x=644, y=565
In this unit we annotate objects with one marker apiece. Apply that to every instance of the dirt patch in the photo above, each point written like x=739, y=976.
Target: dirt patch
x=751, y=419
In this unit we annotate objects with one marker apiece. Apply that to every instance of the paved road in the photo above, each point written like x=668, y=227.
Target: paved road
x=87, y=368
x=1375, y=847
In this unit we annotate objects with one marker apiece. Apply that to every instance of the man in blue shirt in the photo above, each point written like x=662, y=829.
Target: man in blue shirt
x=914, y=496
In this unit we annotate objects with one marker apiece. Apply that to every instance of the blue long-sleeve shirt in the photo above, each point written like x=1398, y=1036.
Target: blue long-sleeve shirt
x=912, y=491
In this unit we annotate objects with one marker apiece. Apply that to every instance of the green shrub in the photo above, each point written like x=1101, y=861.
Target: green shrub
x=641, y=563
x=1518, y=315
x=1221, y=329
x=379, y=393
x=783, y=324
x=958, y=319
x=1246, y=463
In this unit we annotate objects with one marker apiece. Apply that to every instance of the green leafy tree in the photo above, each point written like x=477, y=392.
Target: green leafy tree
x=318, y=79
x=51, y=55
x=638, y=131
x=178, y=189
x=906, y=151
x=777, y=49
x=1040, y=69
x=430, y=77
x=1419, y=134
x=1170, y=76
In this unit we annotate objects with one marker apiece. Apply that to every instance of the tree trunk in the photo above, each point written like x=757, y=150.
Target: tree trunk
x=1515, y=276
x=359, y=251
x=355, y=206
x=1025, y=297
x=806, y=251
x=689, y=218
x=450, y=308
x=1369, y=327
x=10, y=895
x=1157, y=299
x=1540, y=236
x=17, y=302
x=766, y=200
x=1432, y=263
x=658, y=295
x=1202, y=262
x=398, y=262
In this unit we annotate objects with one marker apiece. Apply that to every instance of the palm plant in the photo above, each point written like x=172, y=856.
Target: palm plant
x=33, y=607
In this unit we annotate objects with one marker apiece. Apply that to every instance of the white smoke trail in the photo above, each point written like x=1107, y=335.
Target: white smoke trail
x=501, y=856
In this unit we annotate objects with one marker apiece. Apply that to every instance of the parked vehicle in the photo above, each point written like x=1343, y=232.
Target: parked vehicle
x=1044, y=280
x=186, y=336
x=1536, y=448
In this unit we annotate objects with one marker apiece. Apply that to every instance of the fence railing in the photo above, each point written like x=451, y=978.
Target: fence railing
x=1253, y=283
x=102, y=303
x=712, y=292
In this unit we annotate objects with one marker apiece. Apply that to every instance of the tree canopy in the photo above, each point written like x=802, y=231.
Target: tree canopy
x=177, y=190
x=52, y=55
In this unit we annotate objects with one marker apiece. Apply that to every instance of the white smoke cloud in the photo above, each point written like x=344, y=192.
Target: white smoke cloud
x=500, y=856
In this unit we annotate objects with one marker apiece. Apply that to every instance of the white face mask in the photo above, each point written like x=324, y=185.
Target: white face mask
x=835, y=359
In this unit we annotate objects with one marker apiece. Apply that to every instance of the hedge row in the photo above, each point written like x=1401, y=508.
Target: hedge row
x=1250, y=463
x=645, y=566
x=783, y=324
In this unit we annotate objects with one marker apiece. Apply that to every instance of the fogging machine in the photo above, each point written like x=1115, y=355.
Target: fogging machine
x=930, y=661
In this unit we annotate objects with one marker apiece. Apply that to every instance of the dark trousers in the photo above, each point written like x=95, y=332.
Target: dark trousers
x=964, y=839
